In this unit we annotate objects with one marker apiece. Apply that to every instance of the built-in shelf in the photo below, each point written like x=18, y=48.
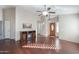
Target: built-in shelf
x=27, y=37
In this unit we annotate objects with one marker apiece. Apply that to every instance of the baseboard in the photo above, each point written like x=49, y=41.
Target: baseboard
x=71, y=41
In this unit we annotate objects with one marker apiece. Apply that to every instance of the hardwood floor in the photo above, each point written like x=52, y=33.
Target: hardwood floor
x=69, y=47
x=9, y=46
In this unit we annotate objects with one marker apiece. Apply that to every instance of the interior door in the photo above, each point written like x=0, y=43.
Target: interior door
x=52, y=29
x=7, y=28
x=1, y=32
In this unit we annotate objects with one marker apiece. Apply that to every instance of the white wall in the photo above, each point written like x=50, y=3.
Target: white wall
x=25, y=16
x=44, y=25
x=69, y=27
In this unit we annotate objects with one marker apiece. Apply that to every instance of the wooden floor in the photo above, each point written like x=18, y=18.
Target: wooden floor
x=9, y=46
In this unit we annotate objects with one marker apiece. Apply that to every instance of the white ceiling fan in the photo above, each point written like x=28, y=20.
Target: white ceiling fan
x=46, y=11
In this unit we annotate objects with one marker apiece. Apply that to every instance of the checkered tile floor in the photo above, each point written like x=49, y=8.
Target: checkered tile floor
x=42, y=46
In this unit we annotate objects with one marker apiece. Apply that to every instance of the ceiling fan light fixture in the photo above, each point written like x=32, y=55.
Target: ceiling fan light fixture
x=45, y=13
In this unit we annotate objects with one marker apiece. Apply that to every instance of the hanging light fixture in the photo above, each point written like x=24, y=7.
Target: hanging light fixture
x=45, y=13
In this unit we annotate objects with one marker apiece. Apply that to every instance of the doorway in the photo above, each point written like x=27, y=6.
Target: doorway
x=1, y=29
x=53, y=29
x=7, y=29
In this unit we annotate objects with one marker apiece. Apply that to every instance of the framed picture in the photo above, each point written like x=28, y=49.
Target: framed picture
x=27, y=25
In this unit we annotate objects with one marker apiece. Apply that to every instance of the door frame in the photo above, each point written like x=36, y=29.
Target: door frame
x=52, y=34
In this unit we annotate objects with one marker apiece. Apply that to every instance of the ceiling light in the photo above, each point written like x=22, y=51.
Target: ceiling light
x=45, y=13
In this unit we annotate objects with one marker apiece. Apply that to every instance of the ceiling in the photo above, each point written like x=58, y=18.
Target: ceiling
x=60, y=9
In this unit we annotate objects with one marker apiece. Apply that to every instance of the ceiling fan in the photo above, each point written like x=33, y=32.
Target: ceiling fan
x=46, y=11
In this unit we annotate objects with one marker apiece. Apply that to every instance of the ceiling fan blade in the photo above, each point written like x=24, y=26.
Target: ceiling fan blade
x=52, y=12
x=48, y=8
x=39, y=14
